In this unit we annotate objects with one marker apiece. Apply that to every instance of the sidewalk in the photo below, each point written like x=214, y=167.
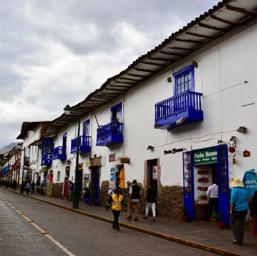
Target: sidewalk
x=198, y=234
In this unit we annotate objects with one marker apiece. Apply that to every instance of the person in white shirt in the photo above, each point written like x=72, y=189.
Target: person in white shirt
x=212, y=195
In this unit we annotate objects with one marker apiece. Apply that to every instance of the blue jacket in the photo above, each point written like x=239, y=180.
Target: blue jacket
x=239, y=198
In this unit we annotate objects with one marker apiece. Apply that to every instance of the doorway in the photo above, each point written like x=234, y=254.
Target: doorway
x=201, y=168
x=94, y=185
x=152, y=174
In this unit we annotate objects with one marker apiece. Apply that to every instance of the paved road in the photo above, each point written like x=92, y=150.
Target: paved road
x=30, y=227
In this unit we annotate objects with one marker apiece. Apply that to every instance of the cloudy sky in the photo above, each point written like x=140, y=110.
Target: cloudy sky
x=56, y=52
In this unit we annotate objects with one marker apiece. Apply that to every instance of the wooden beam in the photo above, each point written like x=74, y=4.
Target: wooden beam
x=199, y=35
x=239, y=10
x=211, y=27
x=222, y=20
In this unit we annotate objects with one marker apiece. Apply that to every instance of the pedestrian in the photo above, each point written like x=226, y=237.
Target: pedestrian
x=212, y=196
x=116, y=203
x=14, y=185
x=87, y=195
x=92, y=195
x=27, y=187
x=71, y=189
x=238, y=210
x=151, y=197
x=253, y=211
x=33, y=186
x=134, y=200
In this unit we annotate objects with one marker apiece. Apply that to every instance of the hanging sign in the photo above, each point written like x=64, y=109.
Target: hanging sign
x=112, y=157
x=206, y=156
x=124, y=160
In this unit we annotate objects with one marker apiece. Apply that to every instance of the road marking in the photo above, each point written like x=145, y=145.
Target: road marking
x=59, y=245
x=43, y=232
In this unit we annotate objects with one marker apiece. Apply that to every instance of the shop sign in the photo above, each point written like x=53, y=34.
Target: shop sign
x=111, y=157
x=124, y=160
x=207, y=156
x=44, y=169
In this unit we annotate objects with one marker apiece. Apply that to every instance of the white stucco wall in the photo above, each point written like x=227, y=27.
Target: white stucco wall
x=220, y=76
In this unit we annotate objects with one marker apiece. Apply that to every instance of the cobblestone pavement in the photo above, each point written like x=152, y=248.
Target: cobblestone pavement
x=19, y=238
x=196, y=234
x=80, y=234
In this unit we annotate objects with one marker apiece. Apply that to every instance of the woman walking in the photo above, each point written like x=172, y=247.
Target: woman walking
x=116, y=202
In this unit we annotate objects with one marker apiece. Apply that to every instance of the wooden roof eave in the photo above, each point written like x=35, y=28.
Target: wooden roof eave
x=222, y=18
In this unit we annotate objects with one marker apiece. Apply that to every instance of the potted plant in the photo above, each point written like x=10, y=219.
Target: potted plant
x=220, y=220
x=185, y=216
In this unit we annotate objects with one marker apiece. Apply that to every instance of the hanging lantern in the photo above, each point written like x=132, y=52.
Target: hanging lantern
x=246, y=153
x=231, y=149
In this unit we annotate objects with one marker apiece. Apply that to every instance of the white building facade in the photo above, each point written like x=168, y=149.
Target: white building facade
x=180, y=117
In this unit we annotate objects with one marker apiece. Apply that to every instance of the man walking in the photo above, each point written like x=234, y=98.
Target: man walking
x=134, y=200
x=212, y=195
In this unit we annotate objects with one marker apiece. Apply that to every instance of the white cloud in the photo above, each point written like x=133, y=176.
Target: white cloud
x=54, y=53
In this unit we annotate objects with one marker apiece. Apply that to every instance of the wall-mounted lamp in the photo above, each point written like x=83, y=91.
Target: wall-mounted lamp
x=169, y=80
x=220, y=142
x=181, y=120
x=67, y=110
x=150, y=147
x=242, y=129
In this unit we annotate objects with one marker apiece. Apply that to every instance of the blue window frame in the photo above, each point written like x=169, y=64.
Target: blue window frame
x=184, y=80
x=86, y=128
x=116, y=113
x=64, y=143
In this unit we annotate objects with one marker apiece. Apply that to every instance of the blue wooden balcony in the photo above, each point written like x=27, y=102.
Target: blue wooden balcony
x=179, y=110
x=59, y=153
x=109, y=134
x=85, y=145
x=46, y=159
x=47, y=151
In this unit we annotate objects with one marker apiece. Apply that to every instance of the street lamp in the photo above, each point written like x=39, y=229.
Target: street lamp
x=67, y=111
x=22, y=177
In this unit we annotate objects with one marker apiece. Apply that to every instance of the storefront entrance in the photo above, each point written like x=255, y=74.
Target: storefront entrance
x=94, y=186
x=201, y=168
x=152, y=174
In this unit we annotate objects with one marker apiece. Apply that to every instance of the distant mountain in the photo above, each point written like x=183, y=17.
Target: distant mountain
x=7, y=148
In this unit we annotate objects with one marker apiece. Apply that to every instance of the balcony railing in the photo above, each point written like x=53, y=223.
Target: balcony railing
x=85, y=145
x=26, y=161
x=47, y=151
x=46, y=159
x=179, y=110
x=59, y=153
x=109, y=134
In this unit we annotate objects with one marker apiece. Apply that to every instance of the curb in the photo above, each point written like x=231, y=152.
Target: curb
x=149, y=232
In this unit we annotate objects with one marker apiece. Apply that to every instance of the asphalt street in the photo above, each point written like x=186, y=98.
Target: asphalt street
x=31, y=227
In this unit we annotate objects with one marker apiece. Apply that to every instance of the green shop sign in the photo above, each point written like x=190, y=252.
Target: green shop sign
x=207, y=156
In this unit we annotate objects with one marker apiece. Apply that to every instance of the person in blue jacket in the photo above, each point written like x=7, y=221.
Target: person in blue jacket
x=238, y=210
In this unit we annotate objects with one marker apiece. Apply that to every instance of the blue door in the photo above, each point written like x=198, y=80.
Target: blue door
x=95, y=179
x=220, y=159
x=223, y=183
x=188, y=184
